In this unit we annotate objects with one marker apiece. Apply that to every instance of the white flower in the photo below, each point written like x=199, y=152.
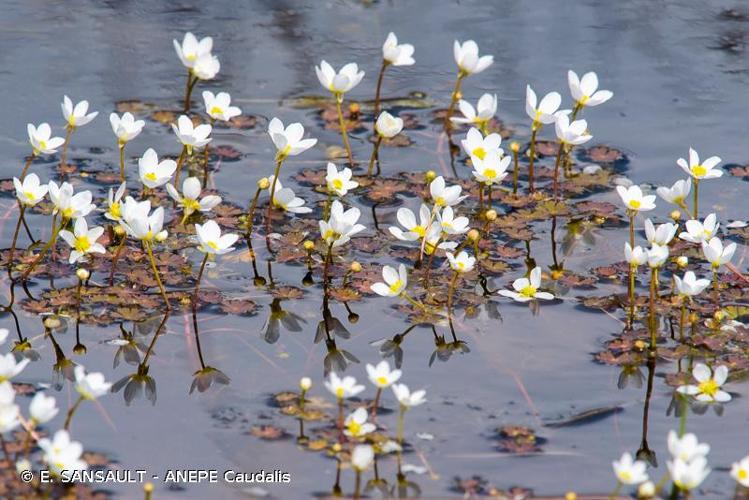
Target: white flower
x=688, y=475
x=153, y=173
x=339, y=83
x=82, y=240
x=41, y=140
x=585, y=91
x=463, y=263
x=491, y=169
x=30, y=192
x=211, y=241
x=635, y=257
x=62, y=454
x=476, y=145
x=407, y=398
x=7, y=393
x=395, y=54
x=362, y=457
x=634, y=200
x=629, y=471
x=709, y=383
x=407, y=219
x=285, y=199
x=191, y=49
x=690, y=286
x=191, y=136
x=527, y=288
x=305, y=383
x=219, y=106
x=485, y=110
x=716, y=254
x=657, y=256
x=342, y=388
x=677, y=193
x=69, y=205
x=395, y=281
x=76, y=116
x=43, y=408
x=356, y=424
x=451, y=224
x=190, y=200
x=543, y=112
x=126, y=128
x=433, y=238
x=9, y=417
x=339, y=182
x=114, y=200
x=444, y=196
x=699, y=170
x=90, y=385
x=687, y=447
x=574, y=133
x=138, y=223
x=698, y=232
x=381, y=375
x=662, y=235
x=9, y=367
x=206, y=67
x=467, y=57
x=289, y=141
x=740, y=471
x=4, y=332
x=388, y=126
x=341, y=225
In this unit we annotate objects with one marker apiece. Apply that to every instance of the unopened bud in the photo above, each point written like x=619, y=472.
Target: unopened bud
x=682, y=261
x=473, y=234
x=309, y=245
x=305, y=383
x=675, y=215
x=491, y=215
x=354, y=108
x=515, y=146
x=355, y=267
x=646, y=490
x=82, y=274
x=52, y=322
x=263, y=183
x=430, y=176
x=570, y=495
x=119, y=231
x=160, y=236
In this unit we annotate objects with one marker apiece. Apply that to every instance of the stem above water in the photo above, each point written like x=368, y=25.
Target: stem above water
x=342, y=125
x=384, y=66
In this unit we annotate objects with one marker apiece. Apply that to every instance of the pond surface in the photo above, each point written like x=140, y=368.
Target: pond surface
x=679, y=73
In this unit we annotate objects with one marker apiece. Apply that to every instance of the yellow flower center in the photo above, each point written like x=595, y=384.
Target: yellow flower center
x=191, y=57
x=71, y=120
x=460, y=265
x=743, y=474
x=440, y=201
x=213, y=245
x=354, y=428
x=67, y=213
x=528, y=291
x=479, y=152
x=625, y=476
x=190, y=204
x=149, y=235
x=419, y=230
x=150, y=176
x=43, y=144
x=396, y=286
x=114, y=210
x=709, y=387
x=29, y=195
x=215, y=110
x=382, y=380
x=330, y=234
x=634, y=204
x=699, y=171
x=583, y=100
x=339, y=392
x=490, y=173
x=82, y=244
x=337, y=183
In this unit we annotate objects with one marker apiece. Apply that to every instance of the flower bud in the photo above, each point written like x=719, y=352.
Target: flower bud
x=82, y=274
x=52, y=322
x=515, y=146
x=259, y=281
x=682, y=261
x=646, y=490
x=354, y=108
x=355, y=267
x=309, y=245
x=491, y=215
x=570, y=495
x=305, y=383
x=430, y=176
x=473, y=235
x=263, y=183
x=119, y=231
x=675, y=215
x=160, y=236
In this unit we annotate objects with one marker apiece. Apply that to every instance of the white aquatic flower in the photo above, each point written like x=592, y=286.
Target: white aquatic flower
x=573, y=134
x=486, y=108
x=544, y=112
x=4, y=332
x=462, y=263
x=690, y=286
x=526, y=289
x=686, y=447
x=139, y=223
x=657, y=256
x=661, y=235
x=629, y=471
x=82, y=240
x=467, y=57
x=709, y=383
x=342, y=388
x=289, y=141
x=445, y=196
x=9, y=367
x=395, y=281
x=341, y=82
x=677, y=193
x=716, y=254
x=62, y=455
x=585, y=90
x=190, y=199
x=206, y=67
x=30, y=191
x=219, y=106
x=341, y=225
x=337, y=182
x=636, y=256
x=703, y=170
x=362, y=457
x=476, y=145
x=43, y=408
x=451, y=224
x=9, y=417
x=406, y=398
x=41, y=139
x=68, y=204
x=407, y=219
x=491, y=169
x=154, y=173
x=90, y=385
x=434, y=240
x=740, y=471
x=78, y=115
x=114, y=203
x=210, y=239
x=285, y=199
x=698, y=232
x=634, y=200
x=191, y=49
x=126, y=128
x=397, y=54
x=191, y=136
x=388, y=126
x=688, y=475
x=381, y=375
x=356, y=424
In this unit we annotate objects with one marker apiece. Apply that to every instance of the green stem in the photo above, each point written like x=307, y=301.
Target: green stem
x=197, y=283
x=180, y=161
x=251, y=212
x=631, y=293
x=357, y=485
x=653, y=292
x=44, y=250
x=374, y=155
x=188, y=90
x=344, y=134
x=560, y=151
x=155, y=270
x=532, y=157
x=376, y=403
x=615, y=493
x=21, y=211
x=515, y=172
x=276, y=173
x=401, y=424
x=72, y=411
x=116, y=257
x=413, y=301
x=121, y=147
x=454, y=99
x=696, y=202
x=384, y=66
x=64, y=153
x=206, y=153
x=450, y=293
x=27, y=165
